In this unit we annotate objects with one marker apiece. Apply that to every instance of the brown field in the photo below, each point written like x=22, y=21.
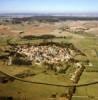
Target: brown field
x=48, y=28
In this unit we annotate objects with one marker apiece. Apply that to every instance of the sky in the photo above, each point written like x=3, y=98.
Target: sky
x=48, y=6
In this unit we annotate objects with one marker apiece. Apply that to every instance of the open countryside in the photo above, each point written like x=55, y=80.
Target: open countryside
x=48, y=50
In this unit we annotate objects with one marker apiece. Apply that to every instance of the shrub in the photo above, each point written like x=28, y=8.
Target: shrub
x=30, y=37
x=21, y=61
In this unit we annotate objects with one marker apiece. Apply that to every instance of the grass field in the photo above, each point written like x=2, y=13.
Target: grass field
x=21, y=90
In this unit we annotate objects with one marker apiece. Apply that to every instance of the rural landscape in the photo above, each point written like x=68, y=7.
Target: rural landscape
x=48, y=49
x=48, y=58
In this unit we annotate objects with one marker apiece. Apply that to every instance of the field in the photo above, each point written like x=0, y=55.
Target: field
x=82, y=34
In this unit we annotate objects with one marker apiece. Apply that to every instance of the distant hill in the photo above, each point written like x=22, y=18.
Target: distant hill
x=49, y=14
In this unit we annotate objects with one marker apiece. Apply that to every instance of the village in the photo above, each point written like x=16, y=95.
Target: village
x=57, y=57
x=49, y=54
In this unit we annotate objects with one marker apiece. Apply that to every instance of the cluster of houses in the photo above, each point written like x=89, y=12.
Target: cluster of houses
x=49, y=54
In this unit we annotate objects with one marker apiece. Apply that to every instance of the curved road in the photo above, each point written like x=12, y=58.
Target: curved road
x=58, y=85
